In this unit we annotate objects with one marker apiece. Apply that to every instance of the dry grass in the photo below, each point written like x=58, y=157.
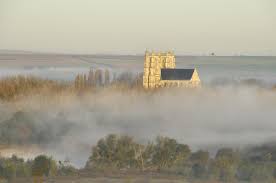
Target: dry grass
x=16, y=87
x=12, y=88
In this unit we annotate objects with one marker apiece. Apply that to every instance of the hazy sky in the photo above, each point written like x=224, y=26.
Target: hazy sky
x=131, y=26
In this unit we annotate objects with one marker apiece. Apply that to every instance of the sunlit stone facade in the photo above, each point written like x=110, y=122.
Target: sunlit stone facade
x=159, y=71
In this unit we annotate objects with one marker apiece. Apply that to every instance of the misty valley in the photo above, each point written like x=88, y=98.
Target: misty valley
x=58, y=131
x=137, y=91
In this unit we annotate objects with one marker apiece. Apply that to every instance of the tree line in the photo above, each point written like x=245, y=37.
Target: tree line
x=14, y=87
x=166, y=155
x=41, y=166
x=163, y=156
x=99, y=78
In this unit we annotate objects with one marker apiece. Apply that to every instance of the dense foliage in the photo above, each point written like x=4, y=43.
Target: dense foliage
x=164, y=156
x=167, y=156
x=40, y=166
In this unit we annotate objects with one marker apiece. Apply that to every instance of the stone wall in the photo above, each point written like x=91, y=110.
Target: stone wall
x=153, y=64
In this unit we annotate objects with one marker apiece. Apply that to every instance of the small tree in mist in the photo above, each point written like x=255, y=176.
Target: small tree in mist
x=11, y=168
x=226, y=161
x=167, y=152
x=43, y=166
x=257, y=167
x=106, y=77
x=115, y=151
x=99, y=77
x=7, y=170
x=200, y=162
x=128, y=80
x=66, y=169
x=81, y=82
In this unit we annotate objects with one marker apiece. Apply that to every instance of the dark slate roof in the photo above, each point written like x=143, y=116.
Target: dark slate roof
x=177, y=74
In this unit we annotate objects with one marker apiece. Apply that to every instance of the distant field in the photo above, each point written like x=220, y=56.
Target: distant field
x=51, y=60
x=36, y=60
x=212, y=70
x=65, y=67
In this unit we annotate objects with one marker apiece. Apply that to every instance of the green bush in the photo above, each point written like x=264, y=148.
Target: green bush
x=44, y=166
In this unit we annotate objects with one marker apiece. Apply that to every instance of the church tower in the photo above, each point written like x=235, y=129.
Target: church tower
x=153, y=64
x=146, y=71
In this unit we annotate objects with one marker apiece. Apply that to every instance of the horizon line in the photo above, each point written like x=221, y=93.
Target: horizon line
x=33, y=52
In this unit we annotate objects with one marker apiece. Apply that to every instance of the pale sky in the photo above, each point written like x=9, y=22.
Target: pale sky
x=225, y=27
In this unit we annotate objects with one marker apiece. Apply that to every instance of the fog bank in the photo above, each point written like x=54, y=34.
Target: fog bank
x=232, y=116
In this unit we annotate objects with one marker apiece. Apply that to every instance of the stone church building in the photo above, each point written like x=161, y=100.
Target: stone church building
x=160, y=71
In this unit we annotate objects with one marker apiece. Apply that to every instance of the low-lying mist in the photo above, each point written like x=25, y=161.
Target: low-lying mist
x=67, y=126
